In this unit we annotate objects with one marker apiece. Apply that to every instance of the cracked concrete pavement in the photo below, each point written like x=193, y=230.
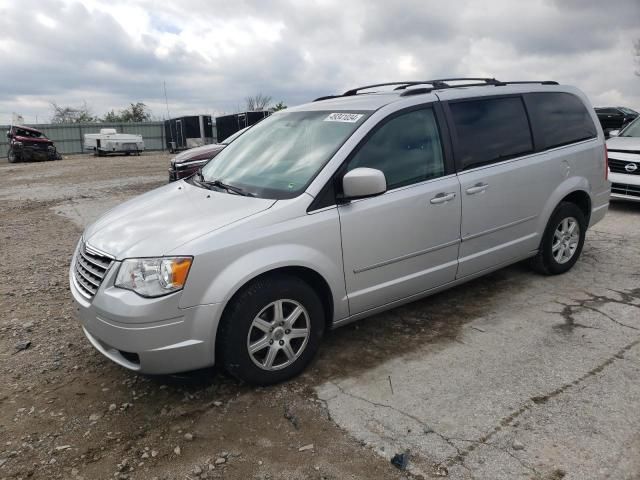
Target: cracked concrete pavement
x=539, y=379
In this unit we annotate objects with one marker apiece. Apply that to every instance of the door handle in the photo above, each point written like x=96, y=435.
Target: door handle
x=477, y=188
x=442, y=198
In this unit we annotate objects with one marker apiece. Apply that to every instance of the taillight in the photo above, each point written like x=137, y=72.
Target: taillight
x=606, y=162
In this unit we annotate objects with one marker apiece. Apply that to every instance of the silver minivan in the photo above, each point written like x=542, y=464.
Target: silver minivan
x=335, y=210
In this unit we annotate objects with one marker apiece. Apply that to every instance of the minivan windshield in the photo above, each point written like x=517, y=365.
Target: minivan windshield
x=632, y=130
x=278, y=157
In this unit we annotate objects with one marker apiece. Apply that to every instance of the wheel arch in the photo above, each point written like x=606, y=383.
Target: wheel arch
x=575, y=190
x=582, y=199
x=308, y=275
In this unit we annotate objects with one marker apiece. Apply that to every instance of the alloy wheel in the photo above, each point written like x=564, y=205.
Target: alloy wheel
x=565, y=240
x=278, y=334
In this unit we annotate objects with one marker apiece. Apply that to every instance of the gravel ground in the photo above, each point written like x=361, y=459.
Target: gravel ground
x=510, y=376
x=67, y=412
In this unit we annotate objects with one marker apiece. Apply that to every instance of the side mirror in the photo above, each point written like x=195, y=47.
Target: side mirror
x=363, y=182
x=614, y=133
x=8, y=133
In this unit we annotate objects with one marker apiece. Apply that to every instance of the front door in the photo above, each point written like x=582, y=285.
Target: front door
x=405, y=241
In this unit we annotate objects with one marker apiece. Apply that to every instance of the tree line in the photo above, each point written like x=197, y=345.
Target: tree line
x=139, y=112
x=135, y=112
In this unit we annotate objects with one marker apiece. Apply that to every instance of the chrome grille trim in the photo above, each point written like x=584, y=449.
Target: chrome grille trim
x=90, y=268
x=96, y=261
x=624, y=189
x=618, y=166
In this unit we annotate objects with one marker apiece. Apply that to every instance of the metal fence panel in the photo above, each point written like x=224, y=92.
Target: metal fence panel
x=69, y=137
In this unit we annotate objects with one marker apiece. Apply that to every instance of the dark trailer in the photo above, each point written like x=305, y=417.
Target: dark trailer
x=188, y=132
x=230, y=124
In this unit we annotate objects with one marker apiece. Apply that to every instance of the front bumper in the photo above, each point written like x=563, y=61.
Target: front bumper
x=625, y=186
x=39, y=152
x=153, y=336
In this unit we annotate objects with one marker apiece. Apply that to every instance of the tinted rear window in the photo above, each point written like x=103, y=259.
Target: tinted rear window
x=490, y=130
x=559, y=119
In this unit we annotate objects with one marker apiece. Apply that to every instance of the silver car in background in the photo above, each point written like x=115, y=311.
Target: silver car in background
x=335, y=210
x=624, y=162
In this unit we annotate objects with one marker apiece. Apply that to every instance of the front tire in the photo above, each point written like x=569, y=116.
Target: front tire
x=12, y=156
x=271, y=330
x=562, y=241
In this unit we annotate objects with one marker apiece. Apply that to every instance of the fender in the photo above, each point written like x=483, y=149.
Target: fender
x=249, y=266
x=568, y=186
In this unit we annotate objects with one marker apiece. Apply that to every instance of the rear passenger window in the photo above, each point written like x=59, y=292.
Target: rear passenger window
x=558, y=119
x=406, y=149
x=490, y=130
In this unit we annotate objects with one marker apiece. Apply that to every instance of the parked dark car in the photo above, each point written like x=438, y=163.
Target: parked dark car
x=188, y=162
x=614, y=118
x=26, y=143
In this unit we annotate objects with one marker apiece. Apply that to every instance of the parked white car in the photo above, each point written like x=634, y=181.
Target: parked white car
x=110, y=141
x=335, y=210
x=624, y=162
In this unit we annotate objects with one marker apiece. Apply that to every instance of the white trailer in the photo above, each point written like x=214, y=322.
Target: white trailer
x=110, y=141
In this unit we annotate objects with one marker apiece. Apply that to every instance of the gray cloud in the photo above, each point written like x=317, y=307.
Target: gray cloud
x=214, y=53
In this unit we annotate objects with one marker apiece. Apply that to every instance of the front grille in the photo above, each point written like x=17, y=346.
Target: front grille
x=624, y=189
x=90, y=269
x=618, y=166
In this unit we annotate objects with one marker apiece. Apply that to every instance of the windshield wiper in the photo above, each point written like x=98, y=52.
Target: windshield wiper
x=220, y=184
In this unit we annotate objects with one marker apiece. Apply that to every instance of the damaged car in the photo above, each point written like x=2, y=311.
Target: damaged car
x=29, y=144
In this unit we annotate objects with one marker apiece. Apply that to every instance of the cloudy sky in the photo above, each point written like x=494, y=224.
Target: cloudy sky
x=212, y=54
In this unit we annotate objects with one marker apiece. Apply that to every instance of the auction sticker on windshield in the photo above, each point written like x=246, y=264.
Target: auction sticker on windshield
x=344, y=117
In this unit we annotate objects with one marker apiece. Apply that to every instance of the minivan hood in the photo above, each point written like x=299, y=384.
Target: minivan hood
x=161, y=220
x=624, y=143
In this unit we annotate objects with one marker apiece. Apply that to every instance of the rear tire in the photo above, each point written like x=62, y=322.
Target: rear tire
x=271, y=330
x=562, y=241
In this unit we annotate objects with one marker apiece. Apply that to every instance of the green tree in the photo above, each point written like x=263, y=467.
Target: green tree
x=135, y=112
x=279, y=106
x=112, y=117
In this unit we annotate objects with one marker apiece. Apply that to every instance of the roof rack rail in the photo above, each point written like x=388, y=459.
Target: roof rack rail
x=436, y=84
x=326, y=97
x=525, y=82
x=354, y=91
x=442, y=82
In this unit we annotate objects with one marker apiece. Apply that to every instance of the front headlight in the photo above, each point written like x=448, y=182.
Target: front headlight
x=153, y=277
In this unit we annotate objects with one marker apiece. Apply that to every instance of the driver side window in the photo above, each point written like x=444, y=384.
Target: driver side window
x=406, y=149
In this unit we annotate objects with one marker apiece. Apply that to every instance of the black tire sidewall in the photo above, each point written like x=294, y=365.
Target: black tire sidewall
x=11, y=156
x=232, y=336
x=563, y=211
